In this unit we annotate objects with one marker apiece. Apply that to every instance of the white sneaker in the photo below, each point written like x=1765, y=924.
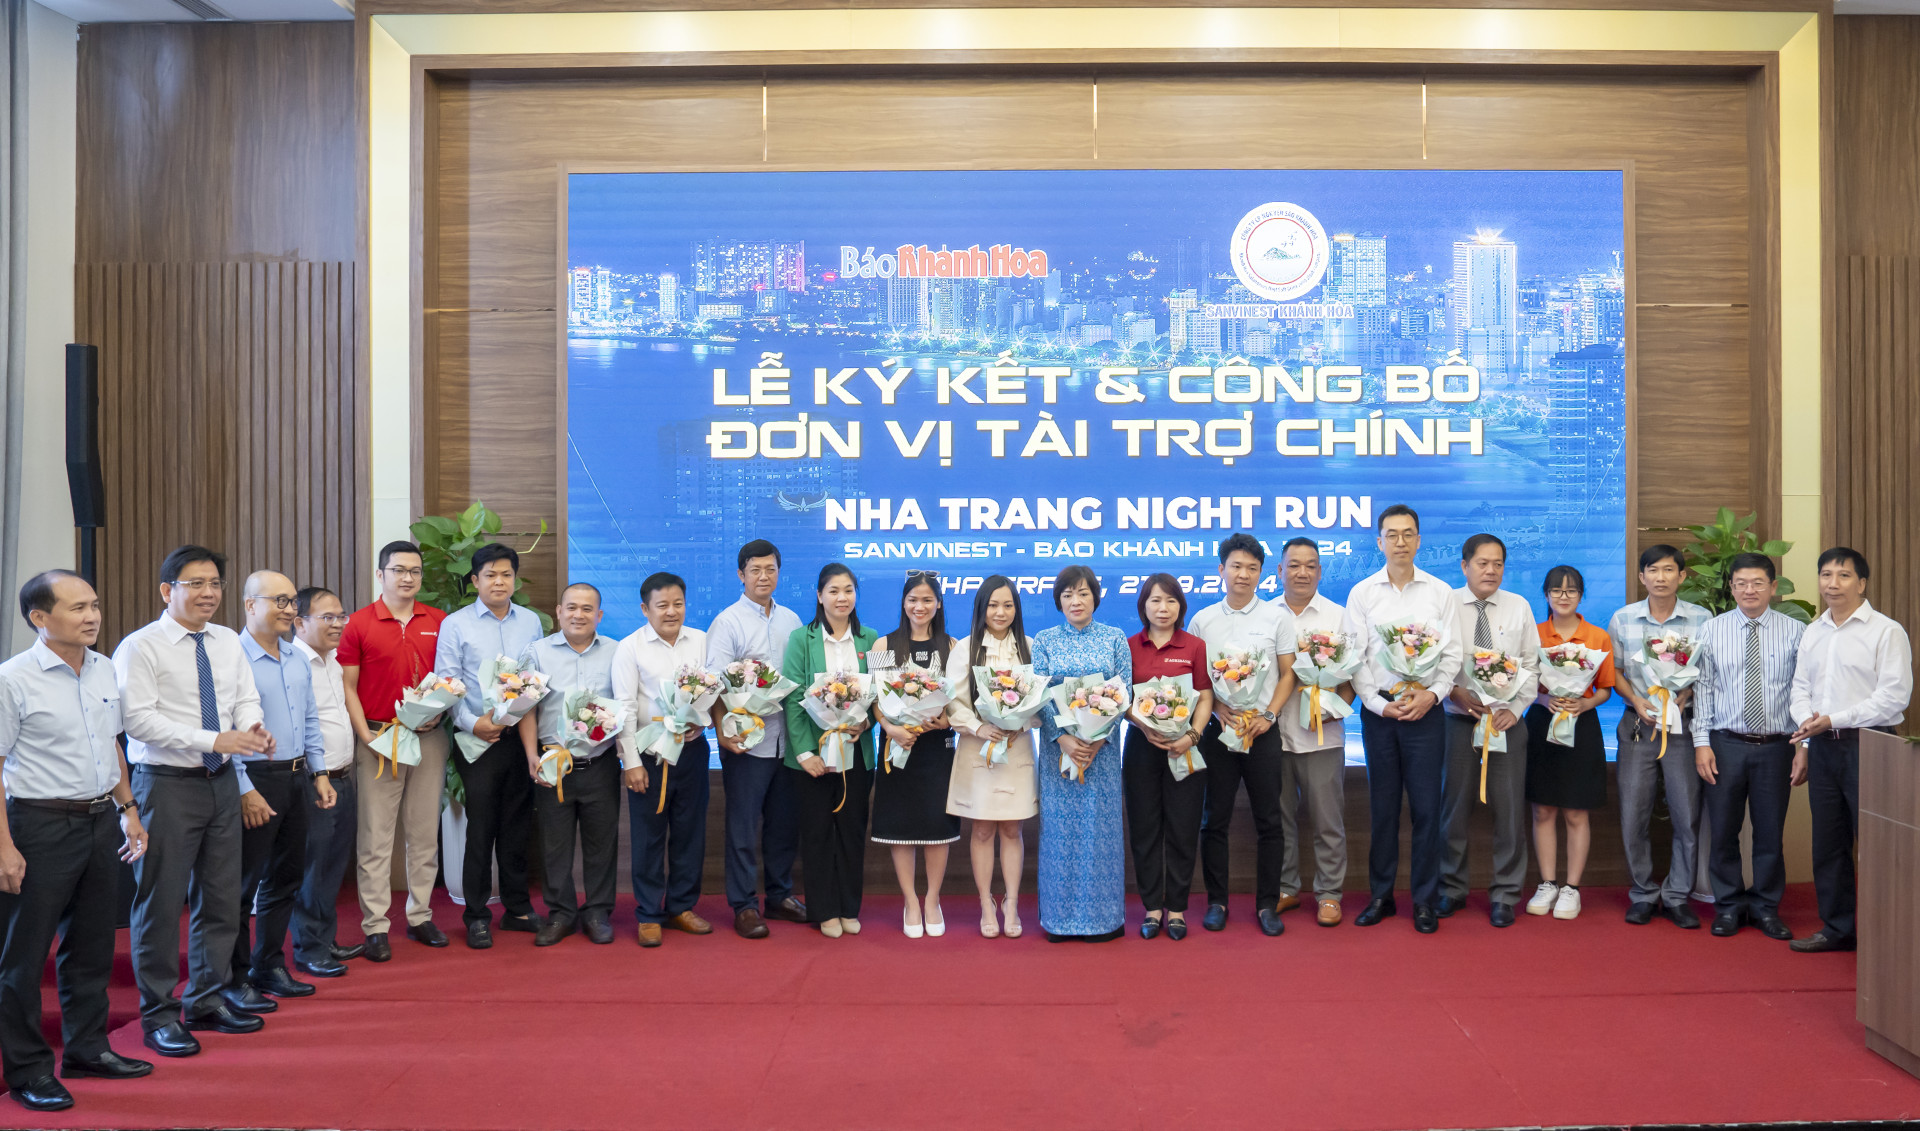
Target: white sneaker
x=1568, y=905
x=1542, y=901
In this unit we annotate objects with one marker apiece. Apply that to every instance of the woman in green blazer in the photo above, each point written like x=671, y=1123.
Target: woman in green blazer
x=832, y=807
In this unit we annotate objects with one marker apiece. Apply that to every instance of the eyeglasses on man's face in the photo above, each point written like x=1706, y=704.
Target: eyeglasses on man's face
x=203, y=585
x=281, y=602
x=405, y=573
x=328, y=619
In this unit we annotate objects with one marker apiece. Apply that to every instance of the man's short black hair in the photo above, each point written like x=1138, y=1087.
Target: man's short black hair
x=588, y=586
x=1842, y=554
x=1245, y=543
x=1076, y=575
x=1472, y=546
x=758, y=548
x=1654, y=555
x=401, y=547
x=184, y=556
x=1307, y=542
x=493, y=552
x=1751, y=561
x=1395, y=511
x=38, y=593
x=303, y=600
x=658, y=581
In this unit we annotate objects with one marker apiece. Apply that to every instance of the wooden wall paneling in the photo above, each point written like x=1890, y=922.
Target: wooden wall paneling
x=1282, y=121
x=1693, y=434
x=985, y=121
x=1876, y=135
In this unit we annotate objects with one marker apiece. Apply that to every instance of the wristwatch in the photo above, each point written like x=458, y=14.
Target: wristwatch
x=131, y=804
x=1267, y=715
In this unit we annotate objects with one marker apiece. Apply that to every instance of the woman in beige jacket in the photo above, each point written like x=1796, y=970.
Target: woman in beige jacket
x=997, y=796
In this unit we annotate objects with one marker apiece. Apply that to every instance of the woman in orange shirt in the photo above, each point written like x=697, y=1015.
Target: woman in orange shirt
x=1566, y=781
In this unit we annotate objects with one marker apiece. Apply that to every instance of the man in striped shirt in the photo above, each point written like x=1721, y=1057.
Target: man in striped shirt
x=1743, y=745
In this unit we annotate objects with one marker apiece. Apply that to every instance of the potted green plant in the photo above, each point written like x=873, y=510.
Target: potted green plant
x=1711, y=554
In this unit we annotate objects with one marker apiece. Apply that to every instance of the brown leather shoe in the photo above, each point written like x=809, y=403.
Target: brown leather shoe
x=649, y=934
x=1329, y=913
x=748, y=924
x=1287, y=903
x=690, y=923
x=788, y=910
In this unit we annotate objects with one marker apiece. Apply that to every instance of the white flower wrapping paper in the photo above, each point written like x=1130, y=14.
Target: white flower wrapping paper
x=1568, y=683
x=910, y=712
x=678, y=709
x=1102, y=704
x=837, y=746
x=1318, y=679
x=1240, y=694
x=1165, y=707
x=749, y=707
x=1012, y=708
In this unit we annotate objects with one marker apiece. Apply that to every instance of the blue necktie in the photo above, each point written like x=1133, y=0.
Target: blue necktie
x=209, y=704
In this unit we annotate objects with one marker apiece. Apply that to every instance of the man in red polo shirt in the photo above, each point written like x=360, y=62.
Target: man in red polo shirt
x=388, y=647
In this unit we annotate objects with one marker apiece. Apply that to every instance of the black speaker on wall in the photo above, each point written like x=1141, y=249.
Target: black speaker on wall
x=83, y=450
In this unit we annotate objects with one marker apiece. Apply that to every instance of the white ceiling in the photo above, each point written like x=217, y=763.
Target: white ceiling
x=147, y=11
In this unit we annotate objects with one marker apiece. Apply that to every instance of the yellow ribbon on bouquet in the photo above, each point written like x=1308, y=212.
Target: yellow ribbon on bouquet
x=664, y=765
x=887, y=763
x=1486, y=742
x=391, y=761
x=1242, y=723
x=1665, y=697
x=1403, y=686
x=754, y=722
x=564, y=758
x=1313, y=707
x=843, y=769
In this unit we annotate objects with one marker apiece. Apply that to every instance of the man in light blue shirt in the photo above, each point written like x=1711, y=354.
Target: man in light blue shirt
x=760, y=807
x=273, y=788
x=490, y=763
x=587, y=801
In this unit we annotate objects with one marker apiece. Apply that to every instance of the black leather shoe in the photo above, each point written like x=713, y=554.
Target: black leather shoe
x=1177, y=928
x=1448, y=905
x=1773, y=928
x=1727, y=923
x=347, y=953
x=1640, y=914
x=108, y=1065
x=1216, y=917
x=788, y=910
x=377, y=949
x=279, y=983
x=552, y=931
x=479, y=934
x=1149, y=928
x=1820, y=942
x=1270, y=923
x=1501, y=915
x=44, y=1094
x=594, y=925
x=1425, y=919
x=427, y=933
x=1682, y=916
x=171, y=1039
x=325, y=968
x=225, y=1020
x=246, y=999
x=1376, y=910
x=526, y=924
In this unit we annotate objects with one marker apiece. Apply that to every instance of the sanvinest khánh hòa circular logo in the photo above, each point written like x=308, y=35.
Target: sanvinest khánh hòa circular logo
x=1279, y=251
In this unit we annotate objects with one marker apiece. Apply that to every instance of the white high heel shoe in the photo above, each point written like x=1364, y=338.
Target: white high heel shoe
x=913, y=930
x=935, y=927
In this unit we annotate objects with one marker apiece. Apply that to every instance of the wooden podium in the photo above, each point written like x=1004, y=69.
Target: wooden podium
x=1889, y=885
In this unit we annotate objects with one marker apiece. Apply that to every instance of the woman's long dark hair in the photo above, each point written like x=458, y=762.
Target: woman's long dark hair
x=900, y=640
x=827, y=573
x=977, y=640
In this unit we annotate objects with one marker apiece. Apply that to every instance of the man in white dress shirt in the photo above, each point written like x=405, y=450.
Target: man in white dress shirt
x=1854, y=673
x=1314, y=765
x=1401, y=722
x=1487, y=616
x=319, y=620
x=189, y=705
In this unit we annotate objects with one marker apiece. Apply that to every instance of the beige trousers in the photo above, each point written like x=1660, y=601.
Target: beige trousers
x=408, y=805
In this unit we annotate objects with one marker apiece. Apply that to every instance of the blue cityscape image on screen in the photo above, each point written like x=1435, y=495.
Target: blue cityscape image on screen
x=1008, y=372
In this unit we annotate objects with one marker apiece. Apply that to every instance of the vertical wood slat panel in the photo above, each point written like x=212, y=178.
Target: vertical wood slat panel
x=227, y=398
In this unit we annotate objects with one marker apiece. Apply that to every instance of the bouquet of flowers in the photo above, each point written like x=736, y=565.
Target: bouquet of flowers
x=1670, y=662
x=1242, y=683
x=513, y=689
x=1566, y=671
x=1413, y=652
x=1008, y=698
x=754, y=690
x=398, y=743
x=1087, y=707
x=1165, y=707
x=1498, y=681
x=910, y=697
x=679, y=710
x=592, y=721
x=1324, y=661
x=837, y=703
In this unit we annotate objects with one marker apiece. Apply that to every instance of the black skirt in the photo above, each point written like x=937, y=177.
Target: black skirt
x=910, y=802
x=1567, y=777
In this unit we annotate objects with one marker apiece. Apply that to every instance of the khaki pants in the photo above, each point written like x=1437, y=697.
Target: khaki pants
x=411, y=802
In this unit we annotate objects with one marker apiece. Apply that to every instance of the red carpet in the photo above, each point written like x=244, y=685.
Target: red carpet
x=1546, y=1023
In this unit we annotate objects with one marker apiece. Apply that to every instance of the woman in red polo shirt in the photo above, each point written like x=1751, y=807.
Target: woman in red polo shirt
x=1163, y=815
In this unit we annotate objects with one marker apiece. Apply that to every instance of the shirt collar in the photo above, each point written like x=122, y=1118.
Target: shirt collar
x=1862, y=615
x=1315, y=604
x=174, y=631
x=1253, y=606
x=307, y=650
x=255, y=651
x=1091, y=625
x=558, y=640
x=753, y=607
x=479, y=610
x=49, y=659
x=647, y=633
x=845, y=637
x=1178, y=638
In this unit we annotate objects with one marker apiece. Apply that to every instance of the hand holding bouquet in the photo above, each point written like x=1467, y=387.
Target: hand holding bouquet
x=1243, y=683
x=1087, y=707
x=1413, y=653
x=1566, y=672
x=1498, y=681
x=754, y=690
x=398, y=743
x=837, y=703
x=1007, y=698
x=1324, y=661
x=1164, y=707
x=911, y=698
x=1671, y=664
x=590, y=722
x=512, y=689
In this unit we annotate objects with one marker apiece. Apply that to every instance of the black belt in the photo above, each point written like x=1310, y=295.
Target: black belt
x=1843, y=733
x=97, y=805
x=183, y=771
x=1754, y=739
x=339, y=773
x=278, y=765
